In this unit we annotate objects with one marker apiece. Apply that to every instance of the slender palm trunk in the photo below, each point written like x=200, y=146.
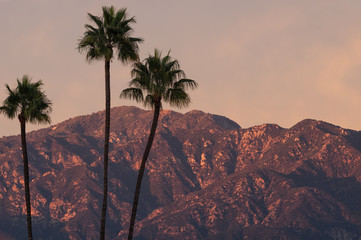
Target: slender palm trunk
x=26, y=176
x=106, y=147
x=142, y=168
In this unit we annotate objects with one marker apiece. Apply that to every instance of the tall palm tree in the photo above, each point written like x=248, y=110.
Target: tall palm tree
x=110, y=33
x=161, y=79
x=29, y=103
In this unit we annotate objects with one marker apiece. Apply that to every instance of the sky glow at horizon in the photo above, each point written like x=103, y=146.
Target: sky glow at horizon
x=255, y=61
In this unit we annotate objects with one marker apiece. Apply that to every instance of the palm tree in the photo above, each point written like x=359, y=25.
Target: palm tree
x=161, y=79
x=29, y=104
x=110, y=33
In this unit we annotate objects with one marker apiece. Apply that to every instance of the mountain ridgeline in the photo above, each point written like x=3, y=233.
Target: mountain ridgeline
x=206, y=178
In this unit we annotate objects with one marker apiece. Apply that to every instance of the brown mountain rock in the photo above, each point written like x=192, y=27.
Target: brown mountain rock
x=206, y=178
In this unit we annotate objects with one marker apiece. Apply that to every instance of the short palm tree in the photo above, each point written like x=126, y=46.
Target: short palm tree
x=161, y=79
x=29, y=103
x=110, y=35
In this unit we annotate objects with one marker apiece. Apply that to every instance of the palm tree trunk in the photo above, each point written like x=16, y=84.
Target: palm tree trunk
x=142, y=168
x=106, y=147
x=26, y=176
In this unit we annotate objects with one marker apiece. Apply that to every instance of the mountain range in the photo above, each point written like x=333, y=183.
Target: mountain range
x=206, y=178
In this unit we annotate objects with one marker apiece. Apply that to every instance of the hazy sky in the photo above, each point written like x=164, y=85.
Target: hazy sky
x=256, y=61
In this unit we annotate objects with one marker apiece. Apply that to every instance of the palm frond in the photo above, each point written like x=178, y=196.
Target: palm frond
x=10, y=106
x=177, y=98
x=186, y=83
x=108, y=15
x=120, y=15
x=127, y=51
x=8, y=111
x=139, y=82
x=133, y=94
x=97, y=20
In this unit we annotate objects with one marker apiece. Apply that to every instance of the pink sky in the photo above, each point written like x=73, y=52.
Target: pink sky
x=255, y=61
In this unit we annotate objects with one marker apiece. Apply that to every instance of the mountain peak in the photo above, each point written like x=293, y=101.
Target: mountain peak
x=206, y=178
x=129, y=116
x=312, y=124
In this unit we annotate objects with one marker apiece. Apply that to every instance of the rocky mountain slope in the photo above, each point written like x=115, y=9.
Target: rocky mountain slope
x=206, y=178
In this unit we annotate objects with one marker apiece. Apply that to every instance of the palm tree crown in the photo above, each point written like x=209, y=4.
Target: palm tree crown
x=111, y=31
x=161, y=79
x=27, y=101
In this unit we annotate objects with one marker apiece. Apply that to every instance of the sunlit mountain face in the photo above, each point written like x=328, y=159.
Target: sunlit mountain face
x=206, y=178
